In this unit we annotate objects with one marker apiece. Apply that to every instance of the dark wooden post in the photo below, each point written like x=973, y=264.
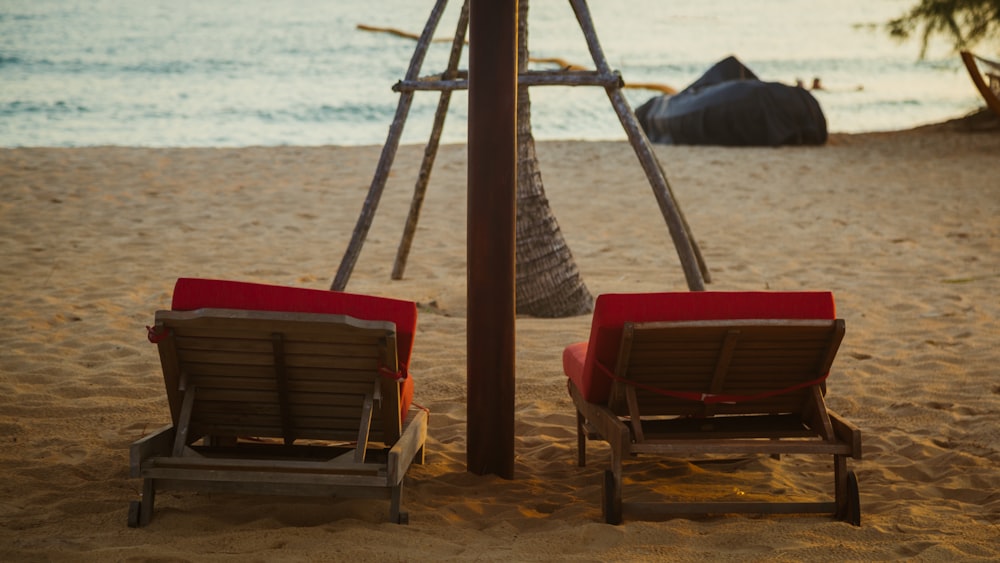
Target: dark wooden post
x=492, y=214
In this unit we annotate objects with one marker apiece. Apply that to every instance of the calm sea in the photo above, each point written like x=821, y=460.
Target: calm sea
x=299, y=72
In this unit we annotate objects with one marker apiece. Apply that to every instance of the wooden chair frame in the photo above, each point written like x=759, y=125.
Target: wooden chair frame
x=752, y=366
x=278, y=403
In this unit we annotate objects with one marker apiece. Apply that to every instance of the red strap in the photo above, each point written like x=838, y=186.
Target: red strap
x=157, y=334
x=423, y=408
x=710, y=398
x=393, y=375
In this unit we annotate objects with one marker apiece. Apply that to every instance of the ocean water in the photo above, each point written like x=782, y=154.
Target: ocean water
x=298, y=72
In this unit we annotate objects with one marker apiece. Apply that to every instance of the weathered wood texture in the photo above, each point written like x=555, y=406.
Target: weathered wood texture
x=760, y=384
x=492, y=191
x=282, y=403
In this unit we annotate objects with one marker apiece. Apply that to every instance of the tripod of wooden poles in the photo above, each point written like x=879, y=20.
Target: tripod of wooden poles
x=695, y=271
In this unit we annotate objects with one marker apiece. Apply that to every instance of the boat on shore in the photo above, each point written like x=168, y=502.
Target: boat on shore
x=730, y=106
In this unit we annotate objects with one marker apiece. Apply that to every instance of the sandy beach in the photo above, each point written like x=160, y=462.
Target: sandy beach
x=903, y=228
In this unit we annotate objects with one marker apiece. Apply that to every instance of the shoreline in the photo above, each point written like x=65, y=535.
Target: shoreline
x=980, y=120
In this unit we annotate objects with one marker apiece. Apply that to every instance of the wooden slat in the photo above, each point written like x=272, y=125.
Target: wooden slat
x=693, y=349
x=220, y=335
x=272, y=427
x=764, y=434
x=333, y=381
x=224, y=413
x=265, y=384
x=333, y=488
x=731, y=446
x=306, y=379
x=793, y=324
x=228, y=411
x=342, y=346
x=236, y=359
x=650, y=510
x=324, y=394
x=269, y=321
x=165, y=469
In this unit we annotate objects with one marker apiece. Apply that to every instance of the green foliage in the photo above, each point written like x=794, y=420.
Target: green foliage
x=966, y=22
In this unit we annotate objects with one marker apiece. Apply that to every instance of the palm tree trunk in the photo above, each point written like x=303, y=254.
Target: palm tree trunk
x=548, y=280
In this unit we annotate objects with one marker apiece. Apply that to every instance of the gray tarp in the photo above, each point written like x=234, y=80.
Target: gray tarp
x=729, y=105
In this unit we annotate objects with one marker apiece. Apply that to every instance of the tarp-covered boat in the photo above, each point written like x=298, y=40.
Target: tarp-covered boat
x=729, y=105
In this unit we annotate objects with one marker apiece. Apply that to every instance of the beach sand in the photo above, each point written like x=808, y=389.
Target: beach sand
x=903, y=228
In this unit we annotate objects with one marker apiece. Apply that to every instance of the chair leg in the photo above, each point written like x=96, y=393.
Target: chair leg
x=148, y=500
x=581, y=440
x=611, y=497
x=140, y=512
x=848, y=496
x=134, y=507
x=840, y=485
x=853, y=514
x=397, y=516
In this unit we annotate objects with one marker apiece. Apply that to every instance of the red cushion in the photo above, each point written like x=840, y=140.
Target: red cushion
x=611, y=311
x=194, y=293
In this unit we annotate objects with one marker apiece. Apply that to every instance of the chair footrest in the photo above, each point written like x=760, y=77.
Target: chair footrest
x=335, y=489
x=649, y=510
x=674, y=446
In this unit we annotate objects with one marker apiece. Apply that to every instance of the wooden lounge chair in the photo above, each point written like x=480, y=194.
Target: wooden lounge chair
x=286, y=391
x=986, y=79
x=703, y=373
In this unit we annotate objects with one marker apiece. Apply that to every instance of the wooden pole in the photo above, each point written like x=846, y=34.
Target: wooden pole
x=430, y=152
x=687, y=250
x=695, y=269
x=388, y=154
x=492, y=215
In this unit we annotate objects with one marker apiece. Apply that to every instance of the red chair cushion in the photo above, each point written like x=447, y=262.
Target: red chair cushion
x=612, y=311
x=195, y=293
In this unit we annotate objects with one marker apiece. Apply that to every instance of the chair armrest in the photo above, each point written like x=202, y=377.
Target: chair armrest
x=410, y=442
x=159, y=443
x=847, y=432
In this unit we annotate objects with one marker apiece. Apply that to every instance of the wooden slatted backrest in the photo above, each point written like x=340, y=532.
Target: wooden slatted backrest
x=279, y=374
x=741, y=358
